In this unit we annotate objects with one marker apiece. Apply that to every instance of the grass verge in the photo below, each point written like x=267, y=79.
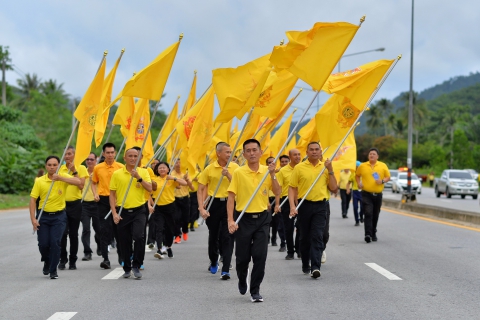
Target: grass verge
x=10, y=201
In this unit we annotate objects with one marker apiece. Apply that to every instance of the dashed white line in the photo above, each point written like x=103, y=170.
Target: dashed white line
x=114, y=274
x=62, y=315
x=384, y=272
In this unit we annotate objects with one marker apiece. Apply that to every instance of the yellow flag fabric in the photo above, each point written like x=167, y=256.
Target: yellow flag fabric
x=292, y=144
x=104, y=109
x=275, y=92
x=169, y=124
x=124, y=115
x=353, y=91
x=311, y=55
x=202, y=129
x=149, y=82
x=86, y=113
x=191, y=96
x=280, y=137
x=248, y=133
x=235, y=87
x=346, y=156
x=235, y=129
x=138, y=130
x=308, y=133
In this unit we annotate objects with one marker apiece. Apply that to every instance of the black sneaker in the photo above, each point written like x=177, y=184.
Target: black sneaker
x=256, y=298
x=87, y=257
x=242, y=287
x=192, y=229
x=282, y=249
x=299, y=255
x=357, y=224
x=368, y=238
x=105, y=264
x=316, y=274
x=361, y=220
x=127, y=274
x=46, y=268
x=306, y=270
x=151, y=245
x=99, y=252
x=374, y=238
x=169, y=253
x=61, y=265
x=289, y=257
x=274, y=244
x=54, y=275
x=72, y=266
x=136, y=273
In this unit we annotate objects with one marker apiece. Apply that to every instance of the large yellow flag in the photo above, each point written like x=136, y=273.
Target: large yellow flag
x=308, y=133
x=191, y=96
x=104, y=109
x=86, y=113
x=149, y=82
x=292, y=144
x=138, y=130
x=280, y=137
x=169, y=124
x=353, y=91
x=311, y=55
x=124, y=115
x=238, y=88
x=346, y=156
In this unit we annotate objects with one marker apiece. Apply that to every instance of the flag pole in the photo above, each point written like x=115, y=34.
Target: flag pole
x=65, y=150
x=161, y=131
x=110, y=132
x=174, y=150
x=351, y=128
x=120, y=149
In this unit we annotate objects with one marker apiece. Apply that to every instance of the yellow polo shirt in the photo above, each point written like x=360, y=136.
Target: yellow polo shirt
x=366, y=171
x=353, y=181
x=136, y=195
x=182, y=191
x=344, y=178
x=168, y=194
x=303, y=176
x=212, y=174
x=102, y=173
x=152, y=176
x=283, y=177
x=56, y=199
x=73, y=192
x=194, y=183
x=244, y=182
x=88, y=191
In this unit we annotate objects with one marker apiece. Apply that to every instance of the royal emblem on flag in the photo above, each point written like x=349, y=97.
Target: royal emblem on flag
x=347, y=113
x=188, y=126
x=264, y=98
x=140, y=131
x=341, y=152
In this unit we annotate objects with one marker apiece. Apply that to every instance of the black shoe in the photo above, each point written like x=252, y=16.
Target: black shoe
x=368, y=238
x=306, y=270
x=299, y=255
x=256, y=298
x=282, y=249
x=99, y=252
x=361, y=220
x=136, y=273
x=61, y=265
x=127, y=274
x=46, y=268
x=242, y=287
x=316, y=274
x=274, y=244
x=289, y=257
x=105, y=264
x=169, y=253
x=374, y=238
x=192, y=229
x=54, y=275
x=87, y=257
x=344, y=216
x=72, y=266
x=357, y=224
x=151, y=245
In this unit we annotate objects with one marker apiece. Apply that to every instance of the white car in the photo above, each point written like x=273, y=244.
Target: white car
x=400, y=184
x=393, y=177
x=473, y=173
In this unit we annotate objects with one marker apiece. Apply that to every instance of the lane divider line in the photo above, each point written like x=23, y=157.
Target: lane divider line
x=384, y=272
x=114, y=274
x=62, y=315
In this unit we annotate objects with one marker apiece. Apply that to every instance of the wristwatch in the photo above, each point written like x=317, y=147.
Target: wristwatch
x=75, y=173
x=140, y=180
x=331, y=173
x=175, y=179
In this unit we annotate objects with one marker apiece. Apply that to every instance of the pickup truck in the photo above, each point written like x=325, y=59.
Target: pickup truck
x=456, y=182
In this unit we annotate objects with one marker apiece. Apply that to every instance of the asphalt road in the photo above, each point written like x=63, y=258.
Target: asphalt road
x=428, y=197
x=438, y=266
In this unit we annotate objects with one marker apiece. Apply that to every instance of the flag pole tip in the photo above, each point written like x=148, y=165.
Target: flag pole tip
x=134, y=73
x=123, y=50
x=180, y=37
x=399, y=57
x=362, y=19
x=301, y=89
x=282, y=42
x=194, y=71
x=178, y=97
x=105, y=53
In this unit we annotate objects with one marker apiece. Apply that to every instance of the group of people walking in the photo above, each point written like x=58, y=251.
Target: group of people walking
x=238, y=204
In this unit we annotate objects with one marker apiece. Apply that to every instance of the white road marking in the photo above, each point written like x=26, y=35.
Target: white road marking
x=62, y=315
x=114, y=274
x=443, y=200
x=387, y=274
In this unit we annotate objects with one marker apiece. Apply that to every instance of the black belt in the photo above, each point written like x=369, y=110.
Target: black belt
x=254, y=215
x=372, y=193
x=221, y=199
x=324, y=200
x=130, y=210
x=55, y=212
x=181, y=198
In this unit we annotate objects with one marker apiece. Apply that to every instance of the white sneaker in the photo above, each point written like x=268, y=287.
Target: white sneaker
x=324, y=257
x=163, y=250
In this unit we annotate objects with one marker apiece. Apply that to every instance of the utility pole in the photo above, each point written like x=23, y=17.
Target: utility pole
x=4, y=84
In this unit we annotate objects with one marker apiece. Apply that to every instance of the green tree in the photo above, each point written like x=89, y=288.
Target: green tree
x=374, y=121
x=420, y=112
x=462, y=150
x=5, y=64
x=386, y=108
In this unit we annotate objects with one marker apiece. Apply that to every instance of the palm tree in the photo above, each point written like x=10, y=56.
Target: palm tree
x=386, y=108
x=28, y=84
x=51, y=88
x=420, y=112
x=374, y=121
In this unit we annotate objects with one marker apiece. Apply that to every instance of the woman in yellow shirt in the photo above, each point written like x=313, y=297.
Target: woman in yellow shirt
x=164, y=214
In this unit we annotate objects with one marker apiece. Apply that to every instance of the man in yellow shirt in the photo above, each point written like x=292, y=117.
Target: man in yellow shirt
x=346, y=197
x=131, y=224
x=52, y=223
x=182, y=201
x=216, y=217
x=251, y=233
x=283, y=177
x=102, y=173
x=371, y=177
x=313, y=213
x=352, y=188
x=73, y=198
x=276, y=225
x=89, y=212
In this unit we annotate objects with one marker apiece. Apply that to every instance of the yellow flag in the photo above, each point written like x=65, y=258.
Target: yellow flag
x=308, y=133
x=124, y=115
x=235, y=129
x=104, y=109
x=222, y=132
x=149, y=82
x=237, y=89
x=86, y=113
x=353, y=91
x=251, y=127
x=202, y=130
x=292, y=144
x=346, y=156
x=138, y=130
x=169, y=124
x=311, y=55
x=280, y=137
x=191, y=96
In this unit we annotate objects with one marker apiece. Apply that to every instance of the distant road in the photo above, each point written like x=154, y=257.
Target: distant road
x=428, y=198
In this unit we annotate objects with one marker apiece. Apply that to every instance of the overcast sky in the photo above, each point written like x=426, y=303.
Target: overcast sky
x=65, y=40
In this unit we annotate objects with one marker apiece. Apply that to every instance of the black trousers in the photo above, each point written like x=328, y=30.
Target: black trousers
x=218, y=234
x=371, y=208
x=194, y=213
x=74, y=216
x=357, y=205
x=108, y=230
x=252, y=244
x=312, y=217
x=345, y=201
x=164, y=224
x=183, y=215
x=49, y=237
x=326, y=230
x=90, y=213
x=132, y=228
x=289, y=226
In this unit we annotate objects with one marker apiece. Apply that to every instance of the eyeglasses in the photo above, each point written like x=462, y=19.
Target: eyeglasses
x=90, y=159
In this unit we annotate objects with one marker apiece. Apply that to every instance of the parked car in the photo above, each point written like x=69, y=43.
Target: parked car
x=400, y=184
x=474, y=173
x=453, y=182
x=393, y=177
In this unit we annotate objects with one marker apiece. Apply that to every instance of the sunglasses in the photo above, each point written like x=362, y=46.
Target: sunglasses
x=90, y=159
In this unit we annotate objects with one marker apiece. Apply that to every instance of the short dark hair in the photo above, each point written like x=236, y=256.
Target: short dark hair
x=136, y=148
x=71, y=148
x=155, y=170
x=266, y=161
x=108, y=145
x=93, y=154
x=52, y=157
x=251, y=141
x=374, y=149
x=314, y=142
x=284, y=156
